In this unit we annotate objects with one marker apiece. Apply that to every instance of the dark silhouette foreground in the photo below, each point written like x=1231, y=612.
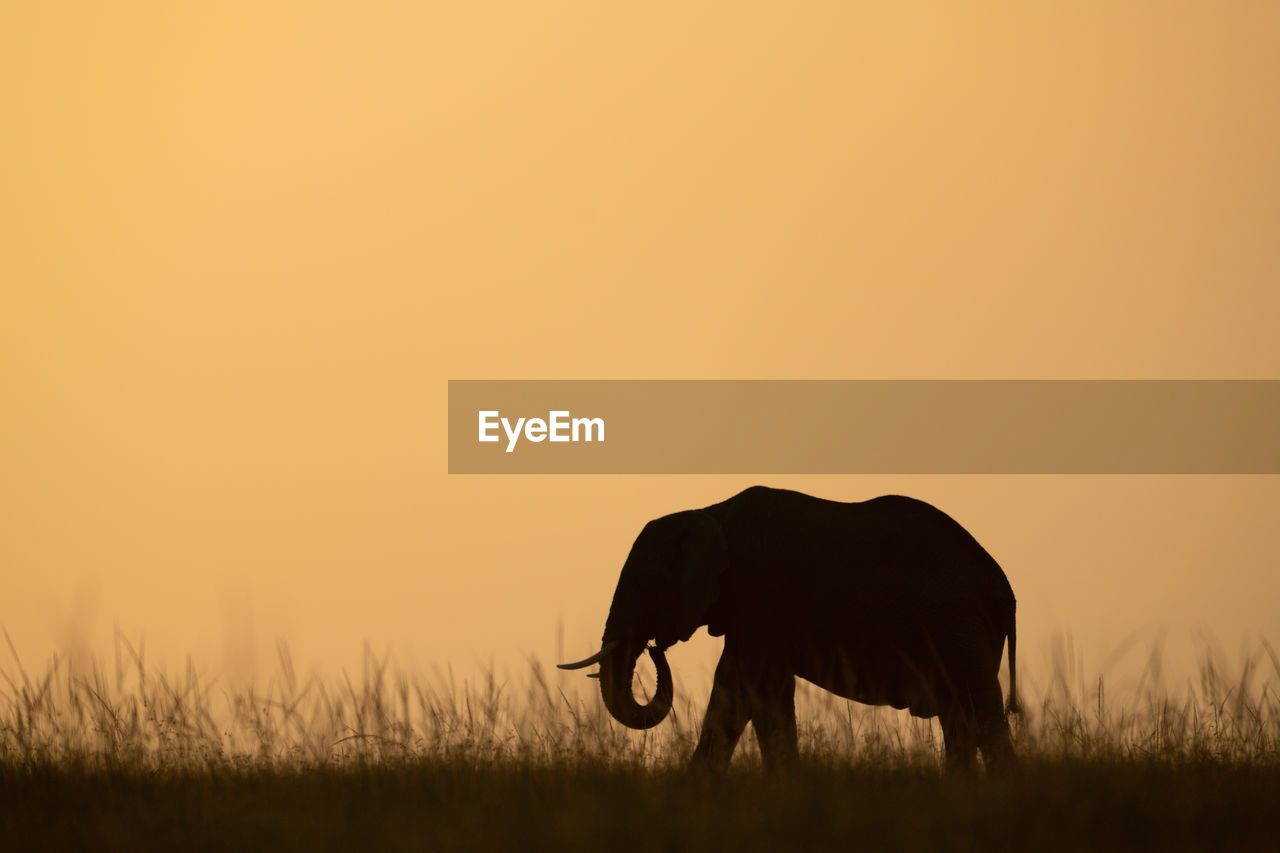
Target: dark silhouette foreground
x=888, y=602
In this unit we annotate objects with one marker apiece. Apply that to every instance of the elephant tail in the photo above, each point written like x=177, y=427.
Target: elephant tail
x=1013, y=706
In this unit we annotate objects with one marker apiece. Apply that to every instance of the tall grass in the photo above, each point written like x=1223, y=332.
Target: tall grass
x=128, y=714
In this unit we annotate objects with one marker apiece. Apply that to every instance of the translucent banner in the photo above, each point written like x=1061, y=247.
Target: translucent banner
x=864, y=427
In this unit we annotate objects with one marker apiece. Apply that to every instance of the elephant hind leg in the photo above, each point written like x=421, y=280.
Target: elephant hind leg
x=959, y=737
x=978, y=723
x=993, y=730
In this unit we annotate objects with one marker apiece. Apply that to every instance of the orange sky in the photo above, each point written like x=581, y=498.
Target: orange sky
x=246, y=246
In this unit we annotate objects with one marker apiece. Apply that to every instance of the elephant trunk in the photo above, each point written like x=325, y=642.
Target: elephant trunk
x=616, y=673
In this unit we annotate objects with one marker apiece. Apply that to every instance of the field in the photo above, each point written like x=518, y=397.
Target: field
x=129, y=757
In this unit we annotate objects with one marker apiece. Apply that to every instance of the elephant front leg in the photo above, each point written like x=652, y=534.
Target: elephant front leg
x=727, y=715
x=774, y=718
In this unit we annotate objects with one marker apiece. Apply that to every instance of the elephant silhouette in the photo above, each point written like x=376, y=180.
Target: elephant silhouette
x=887, y=601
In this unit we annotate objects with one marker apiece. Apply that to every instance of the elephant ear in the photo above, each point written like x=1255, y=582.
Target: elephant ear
x=699, y=557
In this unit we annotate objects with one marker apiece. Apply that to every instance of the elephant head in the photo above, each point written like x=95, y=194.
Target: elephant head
x=670, y=581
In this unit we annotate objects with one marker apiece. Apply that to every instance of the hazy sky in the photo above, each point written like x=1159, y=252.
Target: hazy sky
x=246, y=245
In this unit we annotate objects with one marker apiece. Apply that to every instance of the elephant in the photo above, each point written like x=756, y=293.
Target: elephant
x=887, y=601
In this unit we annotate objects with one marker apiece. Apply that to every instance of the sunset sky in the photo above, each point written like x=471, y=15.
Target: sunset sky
x=246, y=246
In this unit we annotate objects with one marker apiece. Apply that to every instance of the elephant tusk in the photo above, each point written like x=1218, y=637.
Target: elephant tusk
x=585, y=662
